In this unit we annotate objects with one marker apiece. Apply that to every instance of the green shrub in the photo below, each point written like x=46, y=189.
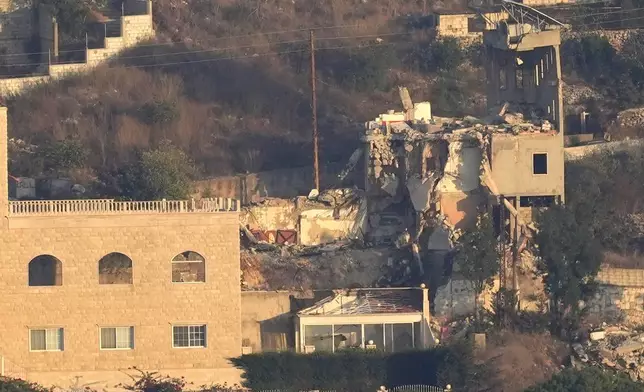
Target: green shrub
x=590, y=379
x=163, y=173
x=16, y=385
x=160, y=112
x=438, y=54
x=62, y=155
x=358, y=370
x=361, y=69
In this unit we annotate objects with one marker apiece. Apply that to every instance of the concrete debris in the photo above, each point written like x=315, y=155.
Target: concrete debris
x=615, y=347
x=631, y=118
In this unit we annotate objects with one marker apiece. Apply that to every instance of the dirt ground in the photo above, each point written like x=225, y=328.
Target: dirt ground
x=519, y=361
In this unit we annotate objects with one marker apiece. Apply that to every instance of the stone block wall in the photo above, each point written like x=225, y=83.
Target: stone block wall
x=458, y=25
x=620, y=297
x=135, y=28
x=151, y=304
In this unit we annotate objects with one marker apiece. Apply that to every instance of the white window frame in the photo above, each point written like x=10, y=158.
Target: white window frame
x=59, y=337
x=129, y=332
x=189, y=326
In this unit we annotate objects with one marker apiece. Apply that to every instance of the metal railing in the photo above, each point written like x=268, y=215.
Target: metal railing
x=112, y=207
x=10, y=369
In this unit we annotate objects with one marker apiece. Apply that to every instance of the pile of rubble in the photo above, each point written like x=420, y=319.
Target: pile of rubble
x=614, y=347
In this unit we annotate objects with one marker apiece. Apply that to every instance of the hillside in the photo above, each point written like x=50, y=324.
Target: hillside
x=236, y=99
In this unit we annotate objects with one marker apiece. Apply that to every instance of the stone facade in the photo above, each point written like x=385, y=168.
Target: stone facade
x=79, y=234
x=466, y=25
x=620, y=297
x=135, y=29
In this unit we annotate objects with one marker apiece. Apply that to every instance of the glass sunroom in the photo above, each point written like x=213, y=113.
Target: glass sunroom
x=389, y=320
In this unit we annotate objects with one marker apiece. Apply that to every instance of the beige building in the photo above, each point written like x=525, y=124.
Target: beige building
x=91, y=288
x=465, y=23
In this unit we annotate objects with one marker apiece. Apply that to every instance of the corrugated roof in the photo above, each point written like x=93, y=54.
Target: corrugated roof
x=368, y=301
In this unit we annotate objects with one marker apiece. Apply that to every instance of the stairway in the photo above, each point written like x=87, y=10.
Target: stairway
x=112, y=13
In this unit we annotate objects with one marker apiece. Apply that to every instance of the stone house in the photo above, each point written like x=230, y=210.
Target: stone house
x=91, y=288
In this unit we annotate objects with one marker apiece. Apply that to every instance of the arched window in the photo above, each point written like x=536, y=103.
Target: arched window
x=115, y=268
x=45, y=270
x=188, y=267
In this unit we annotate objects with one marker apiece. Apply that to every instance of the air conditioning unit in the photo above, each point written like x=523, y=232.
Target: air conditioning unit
x=309, y=349
x=247, y=350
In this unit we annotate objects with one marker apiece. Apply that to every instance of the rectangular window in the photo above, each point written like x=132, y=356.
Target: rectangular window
x=539, y=163
x=46, y=339
x=189, y=336
x=502, y=79
x=117, y=338
x=518, y=76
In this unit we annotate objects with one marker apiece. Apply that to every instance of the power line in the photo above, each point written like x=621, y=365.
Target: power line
x=605, y=13
x=256, y=55
x=219, y=49
x=211, y=40
x=608, y=21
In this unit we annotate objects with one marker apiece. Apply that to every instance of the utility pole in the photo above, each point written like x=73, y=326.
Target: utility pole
x=314, y=107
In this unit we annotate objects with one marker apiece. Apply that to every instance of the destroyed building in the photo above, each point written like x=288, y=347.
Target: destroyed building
x=429, y=176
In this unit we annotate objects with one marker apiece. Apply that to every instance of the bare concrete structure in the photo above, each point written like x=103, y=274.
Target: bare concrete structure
x=428, y=177
x=91, y=288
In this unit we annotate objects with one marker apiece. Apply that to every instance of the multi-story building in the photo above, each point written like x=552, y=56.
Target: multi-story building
x=91, y=288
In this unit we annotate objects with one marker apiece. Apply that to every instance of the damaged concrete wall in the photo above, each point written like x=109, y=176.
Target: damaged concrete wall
x=315, y=223
x=266, y=321
x=456, y=299
x=515, y=166
x=319, y=226
x=272, y=215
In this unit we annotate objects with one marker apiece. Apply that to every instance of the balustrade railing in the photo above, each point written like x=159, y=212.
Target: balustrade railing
x=112, y=207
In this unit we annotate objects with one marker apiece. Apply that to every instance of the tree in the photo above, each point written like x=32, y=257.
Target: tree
x=590, y=379
x=163, y=173
x=63, y=155
x=569, y=259
x=477, y=256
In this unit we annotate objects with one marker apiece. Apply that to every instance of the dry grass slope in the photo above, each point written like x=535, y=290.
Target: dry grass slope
x=244, y=114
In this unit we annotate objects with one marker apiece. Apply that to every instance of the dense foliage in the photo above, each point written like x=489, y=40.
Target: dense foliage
x=590, y=379
x=569, y=259
x=16, y=385
x=360, y=371
x=604, y=190
x=617, y=75
x=164, y=173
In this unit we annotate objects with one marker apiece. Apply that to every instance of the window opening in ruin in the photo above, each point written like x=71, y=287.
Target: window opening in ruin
x=46, y=339
x=117, y=338
x=188, y=267
x=502, y=79
x=45, y=270
x=536, y=201
x=474, y=25
x=540, y=163
x=541, y=69
x=115, y=268
x=518, y=76
x=537, y=80
x=189, y=336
